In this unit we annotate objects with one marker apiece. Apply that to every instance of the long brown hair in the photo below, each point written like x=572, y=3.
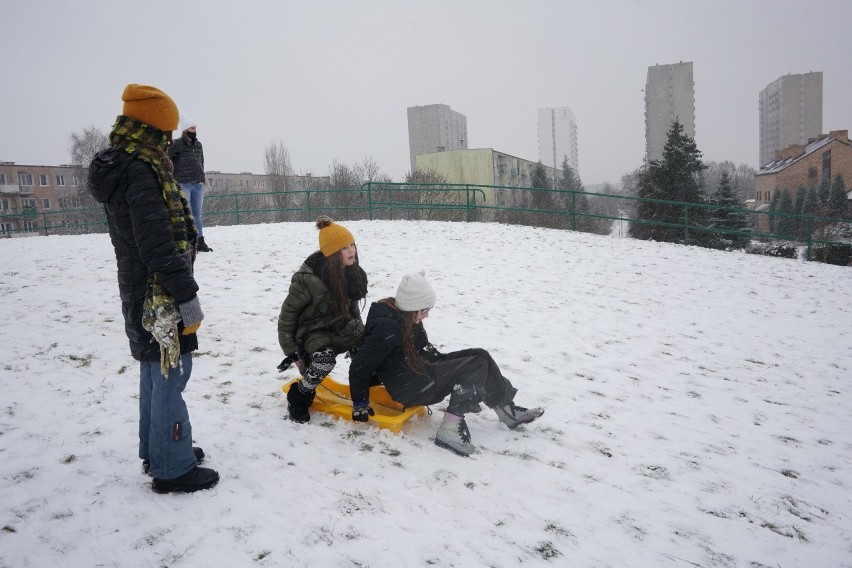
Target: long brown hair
x=413, y=359
x=338, y=287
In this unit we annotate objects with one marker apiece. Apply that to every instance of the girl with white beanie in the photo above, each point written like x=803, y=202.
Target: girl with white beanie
x=396, y=349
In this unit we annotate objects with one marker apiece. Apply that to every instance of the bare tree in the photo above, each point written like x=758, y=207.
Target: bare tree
x=278, y=171
x=278, y=167
x=84, y=145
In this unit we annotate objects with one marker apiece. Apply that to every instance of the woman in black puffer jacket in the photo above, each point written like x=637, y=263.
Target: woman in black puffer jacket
x=396, y=351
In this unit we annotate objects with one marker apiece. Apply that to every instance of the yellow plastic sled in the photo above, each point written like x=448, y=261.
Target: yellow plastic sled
x=334, y=398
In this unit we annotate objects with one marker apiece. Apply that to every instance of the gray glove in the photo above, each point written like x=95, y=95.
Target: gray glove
x=191, y=314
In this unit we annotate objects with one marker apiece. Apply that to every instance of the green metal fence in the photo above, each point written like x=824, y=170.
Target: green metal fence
x=570, y=210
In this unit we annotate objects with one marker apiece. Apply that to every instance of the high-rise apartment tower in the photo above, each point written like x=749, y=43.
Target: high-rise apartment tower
x=557, y=137
x=435, y=128
x=790, y=113
x=669, y=95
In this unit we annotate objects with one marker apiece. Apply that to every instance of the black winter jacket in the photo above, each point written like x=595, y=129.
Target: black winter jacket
x=188, y=158
x=381, y=352
x=141, y=235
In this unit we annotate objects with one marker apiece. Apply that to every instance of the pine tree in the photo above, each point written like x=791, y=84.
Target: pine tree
x=799, y=209
x=837, y=200
x=774, y=208
x=675, y=177
x=824, y=190
x=730, y=215
x=786, y=225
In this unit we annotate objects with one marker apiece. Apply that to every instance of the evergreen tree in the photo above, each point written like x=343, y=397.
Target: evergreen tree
x=774, y=208
x=538, y=179
x=675, y=177
x=799, y=209
x=730, y=215
x=786, y=225
x=837, y=200
x=824, y=190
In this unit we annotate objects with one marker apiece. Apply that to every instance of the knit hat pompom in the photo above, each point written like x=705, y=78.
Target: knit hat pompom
x=332, y=236
x=150, y=105
x=414, y=293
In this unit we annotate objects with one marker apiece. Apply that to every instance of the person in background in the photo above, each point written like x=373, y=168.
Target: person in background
x=396, y=349
x=152, y=232
x=187, y=155
x=321, y=316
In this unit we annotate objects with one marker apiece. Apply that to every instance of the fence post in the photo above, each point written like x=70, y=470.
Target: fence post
x=308, y=203
x=369, y=185
x=573, y=210
x=810, y=237
x=686, y=223
x=237, y=207
x=467, y=202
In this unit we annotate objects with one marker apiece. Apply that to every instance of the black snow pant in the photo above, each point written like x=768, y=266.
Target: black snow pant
x=469, y=376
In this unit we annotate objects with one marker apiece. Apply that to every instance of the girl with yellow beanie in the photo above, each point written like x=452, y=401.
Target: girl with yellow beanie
x=321, y=316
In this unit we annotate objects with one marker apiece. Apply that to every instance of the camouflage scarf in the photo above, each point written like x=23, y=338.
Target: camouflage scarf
x=160, y=312
x=149, y=144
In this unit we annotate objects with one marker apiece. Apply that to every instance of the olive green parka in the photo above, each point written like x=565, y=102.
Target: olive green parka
x=303, y=322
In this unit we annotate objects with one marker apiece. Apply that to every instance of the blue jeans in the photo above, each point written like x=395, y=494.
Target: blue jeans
x=165, y=434
x=194, y=193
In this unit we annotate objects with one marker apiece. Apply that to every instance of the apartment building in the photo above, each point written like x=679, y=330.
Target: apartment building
x=31, y=197
x=790, y=111
x=435, y=128
x=669, y=96
x=557, y=138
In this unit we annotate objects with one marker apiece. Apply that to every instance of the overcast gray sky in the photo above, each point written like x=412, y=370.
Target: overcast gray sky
x=332, y=79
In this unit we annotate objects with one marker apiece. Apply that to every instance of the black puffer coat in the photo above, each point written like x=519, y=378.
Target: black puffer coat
x=381, y=352
x=188, y=158
x=141, y=235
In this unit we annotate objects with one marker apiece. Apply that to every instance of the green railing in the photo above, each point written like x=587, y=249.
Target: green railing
x=562, y=209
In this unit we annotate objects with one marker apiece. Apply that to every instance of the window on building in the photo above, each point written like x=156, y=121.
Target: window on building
x=60, y=180
x=826, y=165
x=30, y=226
x=42, y=180
x=24, y=178
x=75, y=180
x=5, y=228
x=812, y=172
x=2, y=178
x=45, y=203
x=28, y=203
x=4, y=204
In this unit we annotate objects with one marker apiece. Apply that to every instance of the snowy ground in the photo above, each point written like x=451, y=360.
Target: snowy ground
x=698, y=411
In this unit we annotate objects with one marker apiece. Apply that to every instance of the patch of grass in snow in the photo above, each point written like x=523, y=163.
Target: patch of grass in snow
x=556, y=529
x=790, y=473
x=547, y=550
x=69, y=459
x=84, y=361
x=122, y=369
x=261, y=555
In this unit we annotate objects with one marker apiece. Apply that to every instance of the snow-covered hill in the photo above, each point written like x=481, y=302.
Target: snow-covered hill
x=698, y=411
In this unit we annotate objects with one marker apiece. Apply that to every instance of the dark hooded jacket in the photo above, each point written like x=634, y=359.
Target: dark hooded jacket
x=188, y=158
x=141, y=235
x=381, y=353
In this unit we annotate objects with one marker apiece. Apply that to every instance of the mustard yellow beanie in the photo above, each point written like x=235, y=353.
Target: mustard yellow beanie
x=332, y=236
x=151, y=106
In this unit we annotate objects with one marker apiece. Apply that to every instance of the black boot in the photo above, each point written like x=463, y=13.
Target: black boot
x=196, y=479
x=299, y=402
x=199, y=457
x=201, y=246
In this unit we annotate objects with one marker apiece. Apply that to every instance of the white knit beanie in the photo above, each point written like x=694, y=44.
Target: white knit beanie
x=415, y=293
x=186, y=122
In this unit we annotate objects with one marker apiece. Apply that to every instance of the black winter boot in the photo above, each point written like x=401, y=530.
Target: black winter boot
x=196, y=479
x=201, y=246
x=299, y=402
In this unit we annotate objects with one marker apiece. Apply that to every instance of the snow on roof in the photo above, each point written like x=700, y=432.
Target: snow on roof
x=778, y=165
